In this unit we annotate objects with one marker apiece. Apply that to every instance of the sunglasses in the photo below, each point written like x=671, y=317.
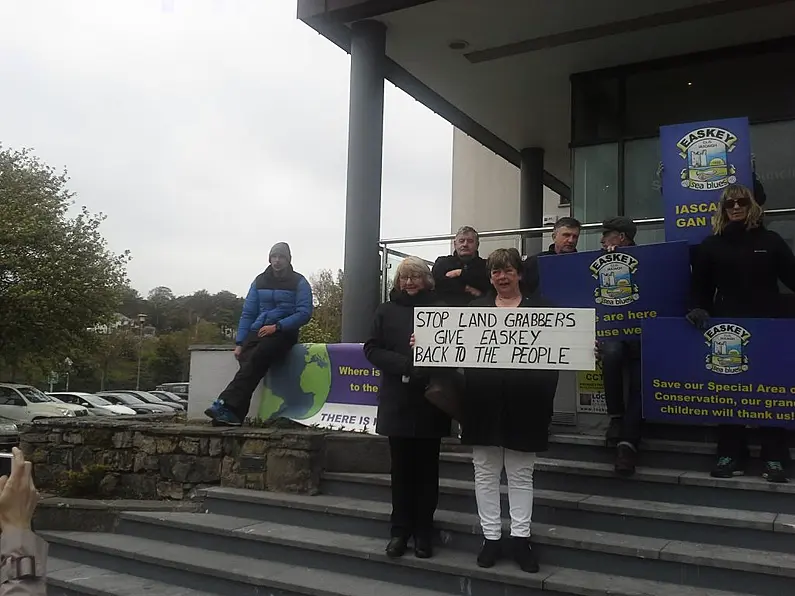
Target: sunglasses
x=741, y=202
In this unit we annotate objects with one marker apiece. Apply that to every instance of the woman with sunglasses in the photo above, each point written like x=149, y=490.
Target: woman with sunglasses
x=735, y=274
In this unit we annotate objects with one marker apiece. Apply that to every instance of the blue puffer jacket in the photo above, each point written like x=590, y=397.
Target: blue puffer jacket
x=284, y=301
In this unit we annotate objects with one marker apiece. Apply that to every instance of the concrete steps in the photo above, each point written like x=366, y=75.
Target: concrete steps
x=670, y=531
x=320, y=562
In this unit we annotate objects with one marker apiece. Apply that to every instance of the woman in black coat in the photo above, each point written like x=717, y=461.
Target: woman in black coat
x=506, y=418
x=414, y=426
x=735, y=274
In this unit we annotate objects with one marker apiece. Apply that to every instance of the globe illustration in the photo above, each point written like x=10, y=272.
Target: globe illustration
x=297, y=388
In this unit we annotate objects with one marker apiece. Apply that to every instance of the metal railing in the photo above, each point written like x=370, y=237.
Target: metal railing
x=391, y=256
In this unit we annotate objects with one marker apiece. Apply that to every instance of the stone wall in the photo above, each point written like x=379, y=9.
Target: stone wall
x=137, y=459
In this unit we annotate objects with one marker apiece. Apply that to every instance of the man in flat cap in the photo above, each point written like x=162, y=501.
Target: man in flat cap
x=278, y=304
x=621, y=369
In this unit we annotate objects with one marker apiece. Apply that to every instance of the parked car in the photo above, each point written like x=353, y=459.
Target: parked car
x=9, y=435
x=25, y=403
x=140, y=407
x=95, y=404
x=151, y=399
x=170, y=397
x=180, y=389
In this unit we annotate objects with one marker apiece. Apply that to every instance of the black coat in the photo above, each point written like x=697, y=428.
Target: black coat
x=736, y=273
x=509, y=408
x=474, y=273
x=403, y=410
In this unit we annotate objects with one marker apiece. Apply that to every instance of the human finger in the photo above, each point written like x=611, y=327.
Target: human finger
x=17, y=465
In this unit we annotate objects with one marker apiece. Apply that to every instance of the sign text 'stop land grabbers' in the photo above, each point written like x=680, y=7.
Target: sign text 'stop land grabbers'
x=505, y=337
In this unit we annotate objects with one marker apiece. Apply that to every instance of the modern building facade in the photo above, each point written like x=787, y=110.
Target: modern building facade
x=570, y=95
x=485, y=194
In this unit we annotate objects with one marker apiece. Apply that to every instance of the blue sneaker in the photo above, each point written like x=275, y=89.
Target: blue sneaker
x=221, y=415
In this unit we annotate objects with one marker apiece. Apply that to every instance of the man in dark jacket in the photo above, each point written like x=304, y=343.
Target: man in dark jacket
x=278, y=304
x=621, y=369
x=565, y=235
x=462, y=276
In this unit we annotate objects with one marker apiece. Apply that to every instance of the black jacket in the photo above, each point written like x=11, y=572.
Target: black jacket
x=531, y=278
x=474, y=273
x=403, y=410
x=736, y=273
x=509, y=408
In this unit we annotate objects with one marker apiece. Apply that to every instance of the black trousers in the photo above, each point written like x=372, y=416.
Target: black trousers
x=733, y=442
x=415, y=485
x=621, y=373
x=256, y=357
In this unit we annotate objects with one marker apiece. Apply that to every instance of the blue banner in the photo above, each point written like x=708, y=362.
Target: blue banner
x=700, y=159
x=737, y=371
x=626, y=287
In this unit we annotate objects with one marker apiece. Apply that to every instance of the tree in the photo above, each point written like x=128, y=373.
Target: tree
x=57, y=276
x=326, y=323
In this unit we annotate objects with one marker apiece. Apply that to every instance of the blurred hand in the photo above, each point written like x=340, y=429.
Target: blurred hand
x=238, y=350
x=412, y=341
x=454, y=273
x=473, y=291
x=18, y=494
x=611, y=248
x=266, y=331
x=596, y=351
x=698, y=317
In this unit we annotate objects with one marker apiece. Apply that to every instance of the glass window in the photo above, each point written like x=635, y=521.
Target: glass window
x=705, y=89
x=595, y=108
x=773, y=146
x=595, y=189
x=595, y=192
x=642, y=196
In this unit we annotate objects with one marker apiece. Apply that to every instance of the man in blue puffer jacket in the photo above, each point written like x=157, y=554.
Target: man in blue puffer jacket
x=278, y=304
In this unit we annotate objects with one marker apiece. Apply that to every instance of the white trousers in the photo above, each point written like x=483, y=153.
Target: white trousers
x=489, y=463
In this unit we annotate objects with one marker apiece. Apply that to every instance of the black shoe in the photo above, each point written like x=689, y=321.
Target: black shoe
x=613, y=434
x=523, y=554
x=626, y=459
x=727, y=467
x=397, y=547
x=775, y=472
x=423, y=547
x=489, y=553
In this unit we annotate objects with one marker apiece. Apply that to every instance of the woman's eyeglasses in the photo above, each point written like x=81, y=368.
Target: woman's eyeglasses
x=412, y=277
x=741, y=202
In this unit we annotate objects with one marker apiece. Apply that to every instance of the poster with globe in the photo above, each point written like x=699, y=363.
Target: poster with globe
x=326, y=385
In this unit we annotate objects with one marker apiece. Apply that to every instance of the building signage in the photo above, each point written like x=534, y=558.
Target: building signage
x=626, y=287
x=734, y=372
x=700, y=159
x=464, y=337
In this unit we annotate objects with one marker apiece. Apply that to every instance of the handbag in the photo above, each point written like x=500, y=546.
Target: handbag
x=445, y=391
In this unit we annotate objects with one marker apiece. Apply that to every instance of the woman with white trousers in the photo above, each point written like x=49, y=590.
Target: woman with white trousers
x=506, y=418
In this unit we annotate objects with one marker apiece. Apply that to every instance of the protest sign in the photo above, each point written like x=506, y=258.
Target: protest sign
x=326, y=385
x=559, y=338
x=700, y=159
x=737, y=371
x=626, y=287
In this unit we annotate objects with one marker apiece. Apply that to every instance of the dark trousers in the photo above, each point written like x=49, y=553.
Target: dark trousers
x=415, y=485
x=733, y=442
x=621, y=374
x=256, y=357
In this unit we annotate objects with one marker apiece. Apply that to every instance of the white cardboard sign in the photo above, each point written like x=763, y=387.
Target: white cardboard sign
x=465, y=337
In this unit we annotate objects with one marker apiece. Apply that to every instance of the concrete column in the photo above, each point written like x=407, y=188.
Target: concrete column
x=531, y=195
x=363, y=198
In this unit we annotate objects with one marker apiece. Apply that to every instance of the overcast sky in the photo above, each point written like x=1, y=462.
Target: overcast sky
x=207, y=130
